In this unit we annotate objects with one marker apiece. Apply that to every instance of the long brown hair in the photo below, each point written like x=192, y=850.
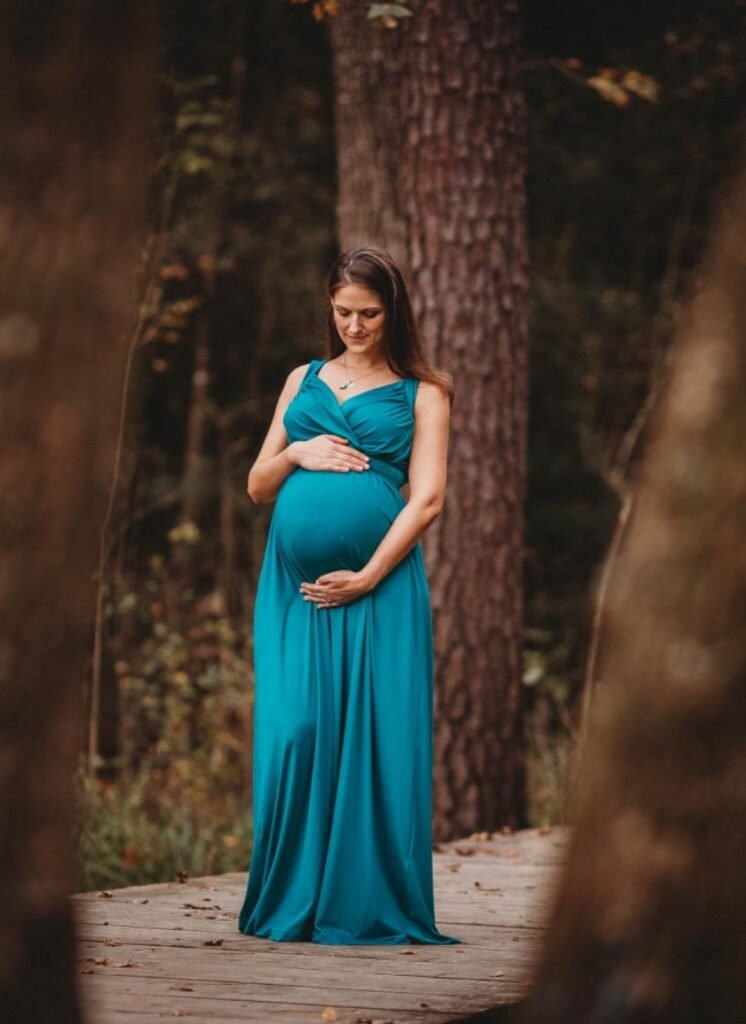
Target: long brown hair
x=376, y=270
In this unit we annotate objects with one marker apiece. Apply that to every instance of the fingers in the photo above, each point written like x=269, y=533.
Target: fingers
x=325, y=590
x=346, y=464
x=344, y=440
x=329, y=451
x=351, y=456
x=323, y=598
x=348, y=459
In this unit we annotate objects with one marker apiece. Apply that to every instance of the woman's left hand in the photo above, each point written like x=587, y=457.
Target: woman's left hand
x=335, y=588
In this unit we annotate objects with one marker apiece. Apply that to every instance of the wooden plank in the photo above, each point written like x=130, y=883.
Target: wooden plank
x=174, y=950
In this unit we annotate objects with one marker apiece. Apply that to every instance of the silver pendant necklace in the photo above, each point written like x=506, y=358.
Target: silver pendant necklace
x=353, y=380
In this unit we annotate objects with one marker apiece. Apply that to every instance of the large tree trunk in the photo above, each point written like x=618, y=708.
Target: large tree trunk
x=651, y=911
x=431, y=151
x=75, y=83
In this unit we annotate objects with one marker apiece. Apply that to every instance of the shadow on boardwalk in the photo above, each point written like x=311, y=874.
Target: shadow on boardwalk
x=157, y=952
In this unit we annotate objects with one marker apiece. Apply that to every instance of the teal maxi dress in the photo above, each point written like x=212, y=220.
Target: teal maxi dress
x=343, y=705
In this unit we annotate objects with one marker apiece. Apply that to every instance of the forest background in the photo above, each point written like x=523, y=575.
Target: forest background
x=634, y=120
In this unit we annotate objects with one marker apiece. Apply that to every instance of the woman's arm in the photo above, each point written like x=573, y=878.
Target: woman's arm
x=427, y=487
x=277, y=459
x=274, y=462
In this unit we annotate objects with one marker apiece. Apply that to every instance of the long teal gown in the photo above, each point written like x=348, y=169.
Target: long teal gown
x=343, y=705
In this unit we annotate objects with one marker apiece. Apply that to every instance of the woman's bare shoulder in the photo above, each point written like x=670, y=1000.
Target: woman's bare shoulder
x=431, y=392
x=297, y=373
x=294, y=377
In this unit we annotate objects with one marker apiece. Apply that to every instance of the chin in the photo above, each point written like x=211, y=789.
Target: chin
x=370, y=343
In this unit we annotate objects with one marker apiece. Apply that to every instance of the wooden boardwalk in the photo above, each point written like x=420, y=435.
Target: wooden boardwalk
x=157, y=952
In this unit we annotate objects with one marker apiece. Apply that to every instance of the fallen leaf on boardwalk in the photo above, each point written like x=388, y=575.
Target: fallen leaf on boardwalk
x=103, y=895
x=406, y=952
x=363, y=1020
x=424, y=1005
x=328, y=1013
x=88, y=970
x=106, y=961
x=506, y=830
x=480, y=836
x=464, y=851
x=545, y=830
x=454, y=867
x=498, y=974
x=140, y=901
x=213, y=942
x=112, y=942
x=181, y=876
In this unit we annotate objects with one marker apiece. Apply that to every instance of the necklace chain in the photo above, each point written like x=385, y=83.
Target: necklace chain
x=353, y=380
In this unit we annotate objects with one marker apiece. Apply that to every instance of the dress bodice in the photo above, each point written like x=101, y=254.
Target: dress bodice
x=379, y=421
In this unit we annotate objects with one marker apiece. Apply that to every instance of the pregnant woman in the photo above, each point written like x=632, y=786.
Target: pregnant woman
x=343, y=647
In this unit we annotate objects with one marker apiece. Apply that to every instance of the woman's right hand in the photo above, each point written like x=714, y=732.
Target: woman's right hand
x=327, y=451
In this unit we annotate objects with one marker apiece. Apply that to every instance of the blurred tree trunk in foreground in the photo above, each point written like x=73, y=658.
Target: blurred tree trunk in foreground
x=75, y=110
x=430, y=124
x=650, y=918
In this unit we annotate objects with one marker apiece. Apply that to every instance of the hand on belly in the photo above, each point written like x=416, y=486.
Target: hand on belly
x=335, y=588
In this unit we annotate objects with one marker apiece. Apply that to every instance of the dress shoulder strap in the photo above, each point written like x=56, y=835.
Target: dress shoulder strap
x=310, y=368
x=411, y=384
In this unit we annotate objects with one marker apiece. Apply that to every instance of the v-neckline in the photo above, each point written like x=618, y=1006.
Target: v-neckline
x=379, y=387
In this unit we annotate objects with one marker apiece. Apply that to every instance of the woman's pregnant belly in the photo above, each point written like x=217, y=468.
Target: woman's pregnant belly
x=323, y=520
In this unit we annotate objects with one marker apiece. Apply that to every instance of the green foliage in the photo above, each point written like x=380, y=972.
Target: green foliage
x=136, y=834
x=184, y=687
x=179, y=795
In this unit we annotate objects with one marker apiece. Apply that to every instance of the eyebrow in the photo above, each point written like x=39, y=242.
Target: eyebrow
x=340, y=305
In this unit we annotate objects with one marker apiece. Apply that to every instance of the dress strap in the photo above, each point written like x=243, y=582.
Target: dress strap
x=411, y=384
x=311, y=367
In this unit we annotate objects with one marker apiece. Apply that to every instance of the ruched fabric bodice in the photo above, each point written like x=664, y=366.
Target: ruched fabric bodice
x=378, y=421
x=343, y=696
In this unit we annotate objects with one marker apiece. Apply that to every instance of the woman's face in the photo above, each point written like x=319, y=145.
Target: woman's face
x=358, y=317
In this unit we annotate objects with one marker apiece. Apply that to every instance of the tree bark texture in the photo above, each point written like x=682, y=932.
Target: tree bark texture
x=75, y=107
x=649, y=922
x=430, y=125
